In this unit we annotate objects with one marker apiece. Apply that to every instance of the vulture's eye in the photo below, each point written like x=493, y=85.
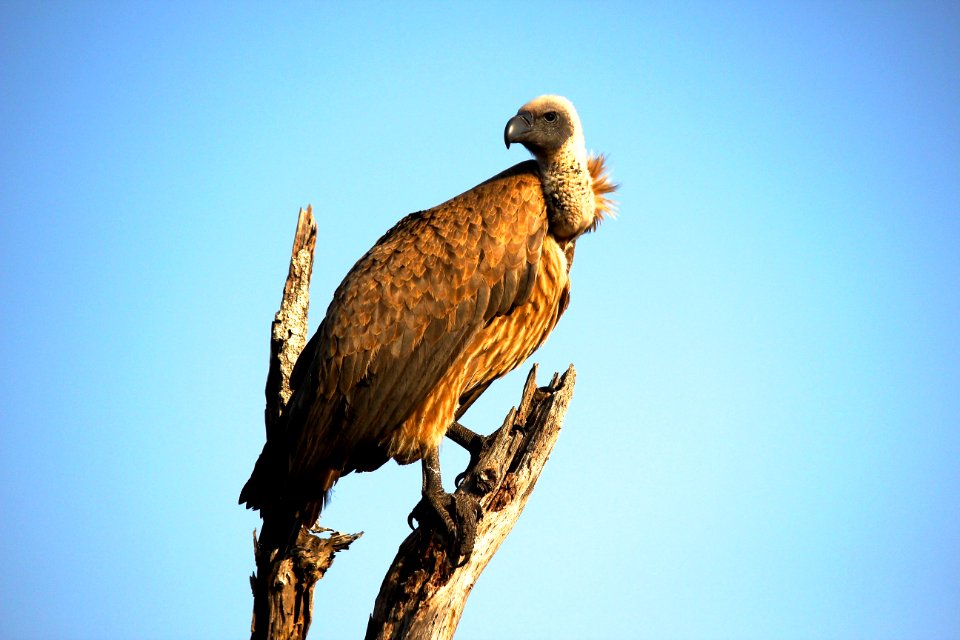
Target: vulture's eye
x=550, y=116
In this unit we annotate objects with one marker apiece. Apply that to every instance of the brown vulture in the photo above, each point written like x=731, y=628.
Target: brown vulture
x=446, y=302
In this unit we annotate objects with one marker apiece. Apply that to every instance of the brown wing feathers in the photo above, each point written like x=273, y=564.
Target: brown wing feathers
x=434, y=296
x=403, y=315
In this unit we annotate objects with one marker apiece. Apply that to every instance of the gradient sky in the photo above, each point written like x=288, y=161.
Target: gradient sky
x=764, y=441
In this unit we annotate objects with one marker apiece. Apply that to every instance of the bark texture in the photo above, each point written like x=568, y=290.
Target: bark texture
x=423, y=593
x=283, y=586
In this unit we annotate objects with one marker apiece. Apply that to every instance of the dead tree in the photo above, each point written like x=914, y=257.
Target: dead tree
x=283, y=586
x=424, y=590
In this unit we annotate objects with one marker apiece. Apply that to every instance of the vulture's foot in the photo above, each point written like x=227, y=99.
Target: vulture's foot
x=473, y=442
x=455, y=515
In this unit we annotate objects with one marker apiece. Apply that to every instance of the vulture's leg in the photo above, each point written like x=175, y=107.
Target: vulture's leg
x=457, y=512
x=471, y=441
x=463, y=436
x=434, y=497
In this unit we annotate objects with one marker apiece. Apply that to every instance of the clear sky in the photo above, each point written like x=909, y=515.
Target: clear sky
x=764, y=441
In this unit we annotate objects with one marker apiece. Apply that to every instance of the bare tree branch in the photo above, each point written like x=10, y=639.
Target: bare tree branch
x=283, y=586
x=423, y=594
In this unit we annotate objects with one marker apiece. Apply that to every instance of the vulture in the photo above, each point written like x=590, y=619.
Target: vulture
x=446, y=302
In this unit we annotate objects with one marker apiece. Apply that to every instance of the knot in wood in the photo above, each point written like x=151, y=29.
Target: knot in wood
x=485, y=480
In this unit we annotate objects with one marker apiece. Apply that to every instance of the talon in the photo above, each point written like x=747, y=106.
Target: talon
x=458, y=513
x=474, y=443
x=468, y=514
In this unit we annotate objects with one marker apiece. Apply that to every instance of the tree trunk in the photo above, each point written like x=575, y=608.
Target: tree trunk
x=283, y=586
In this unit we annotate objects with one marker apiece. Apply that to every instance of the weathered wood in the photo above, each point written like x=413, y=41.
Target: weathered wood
x=288, y=333
x=423, y=593
x=286, y=592
x=283, y=586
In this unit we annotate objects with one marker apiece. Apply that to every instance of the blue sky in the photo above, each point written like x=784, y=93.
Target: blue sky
x=765, y=434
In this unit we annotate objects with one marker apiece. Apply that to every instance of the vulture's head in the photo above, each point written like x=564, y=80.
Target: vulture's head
x=549, y=128
x=575, y=186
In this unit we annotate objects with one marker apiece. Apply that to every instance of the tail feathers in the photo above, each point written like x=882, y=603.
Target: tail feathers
x=312, y=507
x=263, y=482
x=284, y=515
x=279, y=531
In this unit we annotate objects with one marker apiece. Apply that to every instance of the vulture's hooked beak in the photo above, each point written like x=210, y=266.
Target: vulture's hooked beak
x=518, y=127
